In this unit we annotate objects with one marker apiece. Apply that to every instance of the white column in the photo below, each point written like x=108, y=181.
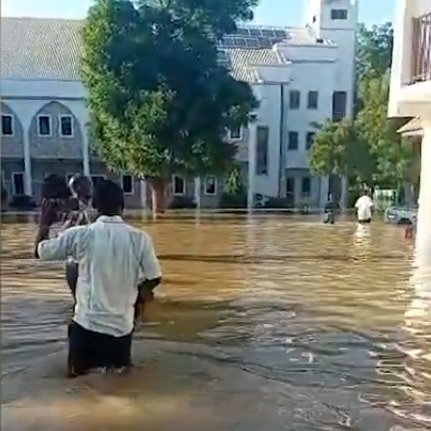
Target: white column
x=197, y=192
x=324, y=190
x=143, y=190
x=423, y=234
x=86, y=155
x=28, y=185
x=252, y=143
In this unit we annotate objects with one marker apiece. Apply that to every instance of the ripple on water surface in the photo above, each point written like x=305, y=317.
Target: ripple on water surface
x=269, y=322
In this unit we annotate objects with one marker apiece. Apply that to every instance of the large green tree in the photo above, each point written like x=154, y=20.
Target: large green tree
x=385, y=145
x=372, y=150
x=160, y=102
x=338, y=150
x=374, y=50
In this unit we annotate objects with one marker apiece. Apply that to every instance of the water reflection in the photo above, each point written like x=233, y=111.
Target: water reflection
x=262, y=323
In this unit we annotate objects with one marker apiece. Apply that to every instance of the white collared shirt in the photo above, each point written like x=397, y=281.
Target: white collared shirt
x=113, y=256
x=364, y=207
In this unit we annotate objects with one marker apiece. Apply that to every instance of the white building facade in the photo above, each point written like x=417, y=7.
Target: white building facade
x=410, y=96
x=301, y=76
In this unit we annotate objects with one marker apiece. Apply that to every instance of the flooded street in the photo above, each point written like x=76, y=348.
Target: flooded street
x=264, y=323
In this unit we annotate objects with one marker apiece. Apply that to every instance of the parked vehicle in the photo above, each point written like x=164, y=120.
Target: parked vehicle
x=401, y=216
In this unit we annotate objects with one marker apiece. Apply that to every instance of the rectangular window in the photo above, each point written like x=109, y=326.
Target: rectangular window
x=18, y=183
x=96, y=178
x=7, y=125
x=66, y=126
x=178, y=185
x=127, y=184
x=210, y=185
x=294, y=99
x=290, y=186
x=306, y=186
x=309, y=140
x=339, y=103
x=293, y=142
x=262, y=150
x=44, y=125
x=235, y=134
x=339, y=14
x=313, y=100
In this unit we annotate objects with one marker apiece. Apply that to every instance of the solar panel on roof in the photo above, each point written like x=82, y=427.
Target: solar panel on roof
x=252, y=42
x=264, y=42
x=242, y=32
x=268, y=33
x=239, y=42
x=227, y=41
x=280, y=33
x=255, y=32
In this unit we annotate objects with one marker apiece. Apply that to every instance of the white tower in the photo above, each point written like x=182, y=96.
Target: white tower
x=337, y=21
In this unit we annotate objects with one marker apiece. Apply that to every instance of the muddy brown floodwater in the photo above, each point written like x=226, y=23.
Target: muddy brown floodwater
x=262, y=323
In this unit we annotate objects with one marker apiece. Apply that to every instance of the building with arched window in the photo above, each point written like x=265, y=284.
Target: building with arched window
x=300, y=75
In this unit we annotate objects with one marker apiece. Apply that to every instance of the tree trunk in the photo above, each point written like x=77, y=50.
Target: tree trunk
x=159, y=195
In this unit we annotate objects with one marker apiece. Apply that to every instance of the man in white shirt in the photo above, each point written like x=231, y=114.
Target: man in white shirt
x=364, y=208
x=112, y=257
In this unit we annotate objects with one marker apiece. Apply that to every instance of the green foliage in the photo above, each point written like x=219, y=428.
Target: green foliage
x=159, y=100
x=374, y=50
x=339, y=150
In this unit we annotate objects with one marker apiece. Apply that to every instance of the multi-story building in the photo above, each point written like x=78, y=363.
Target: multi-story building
x=410, y=96
x=301, y=76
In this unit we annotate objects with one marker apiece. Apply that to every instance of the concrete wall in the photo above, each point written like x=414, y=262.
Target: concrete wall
x=12, y=146
x=405, y=99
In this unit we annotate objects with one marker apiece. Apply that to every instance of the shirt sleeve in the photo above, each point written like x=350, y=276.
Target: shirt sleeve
x=59, y=248
x=150, y=267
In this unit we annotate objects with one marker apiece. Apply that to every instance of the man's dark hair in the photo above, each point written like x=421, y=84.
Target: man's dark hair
x=55, y=187
x=108, y=198
x=82, y=186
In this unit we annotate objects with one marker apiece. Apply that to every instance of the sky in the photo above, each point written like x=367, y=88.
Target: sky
x=269, y=12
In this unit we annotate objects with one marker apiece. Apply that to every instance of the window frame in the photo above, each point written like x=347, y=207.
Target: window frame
x=132, y=183
x=307, y=140
x=292, y=180
x=12, y=125
x=266, y=167
x=14, y=193
x=206, y=193
x=173, y=185
x=291, y=106
x=309, y=105
x=289, y=134
x=38, y=126
x=339, y=14
x=306, y=194
x=60, y=132
x=240, y=136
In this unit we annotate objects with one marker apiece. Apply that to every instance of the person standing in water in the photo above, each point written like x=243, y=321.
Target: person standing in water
x=331, y=207
x=112, y=256
x=364, y=208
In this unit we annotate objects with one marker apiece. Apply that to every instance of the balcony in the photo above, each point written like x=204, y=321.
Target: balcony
x=421, y=49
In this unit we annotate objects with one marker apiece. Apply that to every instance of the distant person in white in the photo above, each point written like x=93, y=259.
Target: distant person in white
x=113, y=257
x=364, y=208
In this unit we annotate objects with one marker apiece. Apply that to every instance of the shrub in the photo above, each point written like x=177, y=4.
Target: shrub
x=23, y=203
